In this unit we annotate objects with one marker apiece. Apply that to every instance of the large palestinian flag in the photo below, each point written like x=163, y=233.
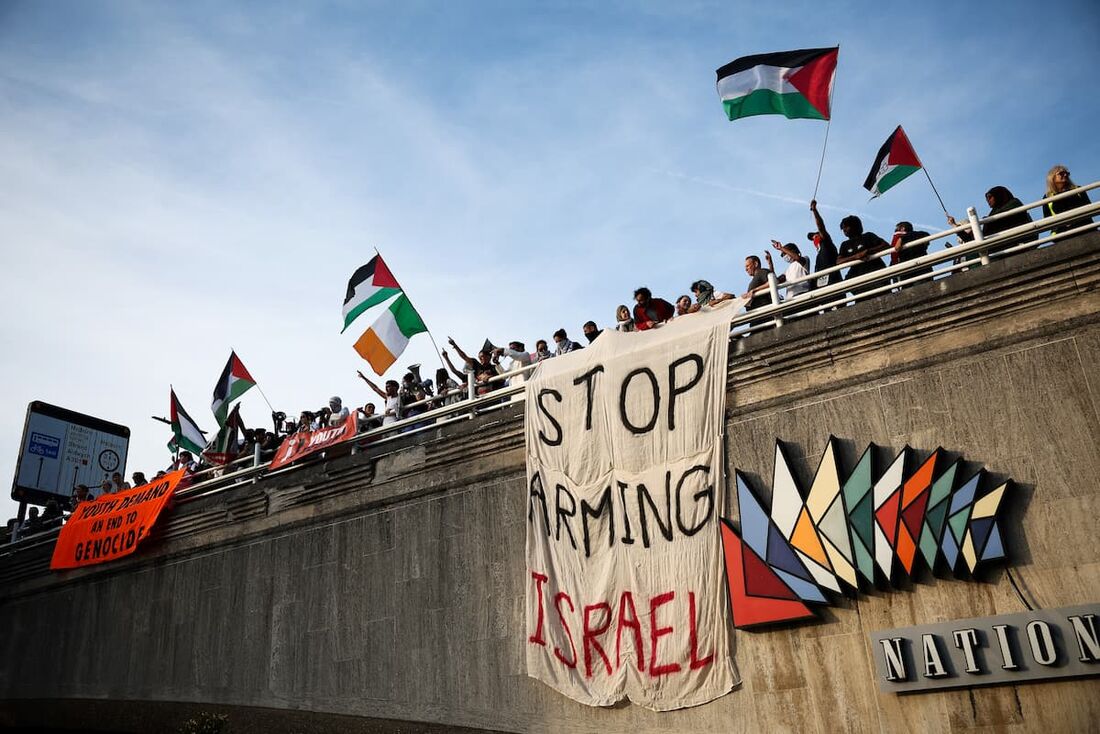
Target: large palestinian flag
x=796, y=84
x=896, y=160
x=233, y=383
x=369, y=285
x=186, y=433
x=387, y=338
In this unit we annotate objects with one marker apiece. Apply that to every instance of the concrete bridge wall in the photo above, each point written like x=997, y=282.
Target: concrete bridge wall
x=389, y=585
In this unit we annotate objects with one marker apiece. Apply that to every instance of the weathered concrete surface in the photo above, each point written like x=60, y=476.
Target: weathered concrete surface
x=390, y=585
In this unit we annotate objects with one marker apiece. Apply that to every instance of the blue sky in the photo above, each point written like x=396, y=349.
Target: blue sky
x=180, y=179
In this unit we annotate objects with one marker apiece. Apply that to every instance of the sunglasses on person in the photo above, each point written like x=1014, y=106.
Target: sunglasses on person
x=1062, y=174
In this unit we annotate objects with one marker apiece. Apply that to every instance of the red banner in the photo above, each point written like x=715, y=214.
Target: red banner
x=111, y=526
x=305, y=443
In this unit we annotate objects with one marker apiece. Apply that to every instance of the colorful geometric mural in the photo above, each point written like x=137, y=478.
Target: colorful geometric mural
x=869, y=527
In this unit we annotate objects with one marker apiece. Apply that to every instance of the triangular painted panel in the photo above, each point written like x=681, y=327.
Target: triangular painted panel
x=834, y=526
x=754, y=521
x=806, y=590
x=825, y=488
x=994, y=548
x=859, y=482
x=748, y=610
x=806, y=540
x=786, y=501
x=782, y=556
x=862, y=521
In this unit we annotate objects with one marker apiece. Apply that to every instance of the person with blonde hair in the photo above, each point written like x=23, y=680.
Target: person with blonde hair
x=624, y=320
x=1058, y=181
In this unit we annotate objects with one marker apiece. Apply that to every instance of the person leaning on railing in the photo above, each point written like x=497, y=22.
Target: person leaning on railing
x=1000, y=200
x=1058, y=181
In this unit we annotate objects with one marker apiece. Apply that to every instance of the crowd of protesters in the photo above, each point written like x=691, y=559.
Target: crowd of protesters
x=861, y=251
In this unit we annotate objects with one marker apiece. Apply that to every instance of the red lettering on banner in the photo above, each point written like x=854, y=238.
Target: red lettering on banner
x=634, y=625
x=540, y=579
x=655, y=633
x=565, y=625
x=693, y=634
x=590, y=635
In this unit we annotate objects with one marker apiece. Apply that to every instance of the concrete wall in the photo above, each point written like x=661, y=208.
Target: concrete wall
x=390, y=585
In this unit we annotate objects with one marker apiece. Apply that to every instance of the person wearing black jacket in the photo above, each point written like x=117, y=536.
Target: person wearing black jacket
x=1000, y=200
x=826, y=250
x=863, y=250
x=1058, y=181
x=903, y=235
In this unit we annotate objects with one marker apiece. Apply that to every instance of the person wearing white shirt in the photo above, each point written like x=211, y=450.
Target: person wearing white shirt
x=797, y=268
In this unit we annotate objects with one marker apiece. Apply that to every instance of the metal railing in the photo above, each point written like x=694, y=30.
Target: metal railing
x=975, y=253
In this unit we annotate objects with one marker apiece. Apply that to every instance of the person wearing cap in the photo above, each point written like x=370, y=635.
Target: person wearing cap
x=826, y=250
x=339, y=413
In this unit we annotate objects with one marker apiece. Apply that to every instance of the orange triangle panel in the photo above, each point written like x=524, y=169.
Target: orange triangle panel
x=805, y=539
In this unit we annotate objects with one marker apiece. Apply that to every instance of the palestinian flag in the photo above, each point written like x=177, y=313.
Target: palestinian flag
x=225, y=445
x=186, y=434
x=387, y=338
x=895, y=161
x=233, y=383
x=369, y=285
x=795, y=84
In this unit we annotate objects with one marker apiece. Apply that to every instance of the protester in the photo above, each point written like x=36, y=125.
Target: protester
x=448, y=392
x=138, y=479
x=826, y=250
x=390, y=397
x=32, y=524
x=591, y=331
x=757, y=291
x=118, y=483
x=622, y=318
x=861, y=251
x=1058, y=181
x=797, y=268
x=706, y=296
x=367, y=419
x=565, y=344
x=185, y=461
x=106, y=487
x=519, y=358
x=306, y=418
x=684, y=306
x=484, y=368
x=903, y=252
x=267, y=441
x=1000, y=200
x=649, y=311
x=52, y=515
x=542, y=351
x=80, y=494
x=339, y=413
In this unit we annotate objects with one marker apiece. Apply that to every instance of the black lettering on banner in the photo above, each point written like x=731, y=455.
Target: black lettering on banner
x=588, y=511
x=644, y=498
x=656, y=400
x=542, y=407
x=707, y=491
x=627, y=539
x=588, y=378
x=560, y=513
x=674, y=391
x=537, y=492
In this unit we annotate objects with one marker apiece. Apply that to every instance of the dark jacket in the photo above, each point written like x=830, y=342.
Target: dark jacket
x=1064, y=205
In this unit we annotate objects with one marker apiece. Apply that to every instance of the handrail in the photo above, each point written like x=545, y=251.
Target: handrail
x=246, y=469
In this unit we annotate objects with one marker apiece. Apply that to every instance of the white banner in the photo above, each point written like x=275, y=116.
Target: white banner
x=625, y=585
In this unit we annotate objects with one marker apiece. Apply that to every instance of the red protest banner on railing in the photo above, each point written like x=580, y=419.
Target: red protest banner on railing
x=305, y=443
x=111, y=526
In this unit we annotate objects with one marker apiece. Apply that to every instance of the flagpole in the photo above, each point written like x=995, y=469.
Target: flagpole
x=828, y=123
x=438, y=352
x=821, y=165
x=937, y=193
x=925, y=169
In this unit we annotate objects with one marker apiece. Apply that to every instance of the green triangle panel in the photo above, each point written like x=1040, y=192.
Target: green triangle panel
x=958, y=522
x=862, y=520
x=834, y=526
x=859, y=482
x=941, y=488
x=865, y=563
x=929, y=546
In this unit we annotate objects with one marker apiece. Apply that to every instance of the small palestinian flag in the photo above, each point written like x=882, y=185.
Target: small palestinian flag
x=369, y=285
x=387, y=338
x=896, y=160
x=225, y=446
x=186, y=434
x=233, y=383
x=795, y=84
